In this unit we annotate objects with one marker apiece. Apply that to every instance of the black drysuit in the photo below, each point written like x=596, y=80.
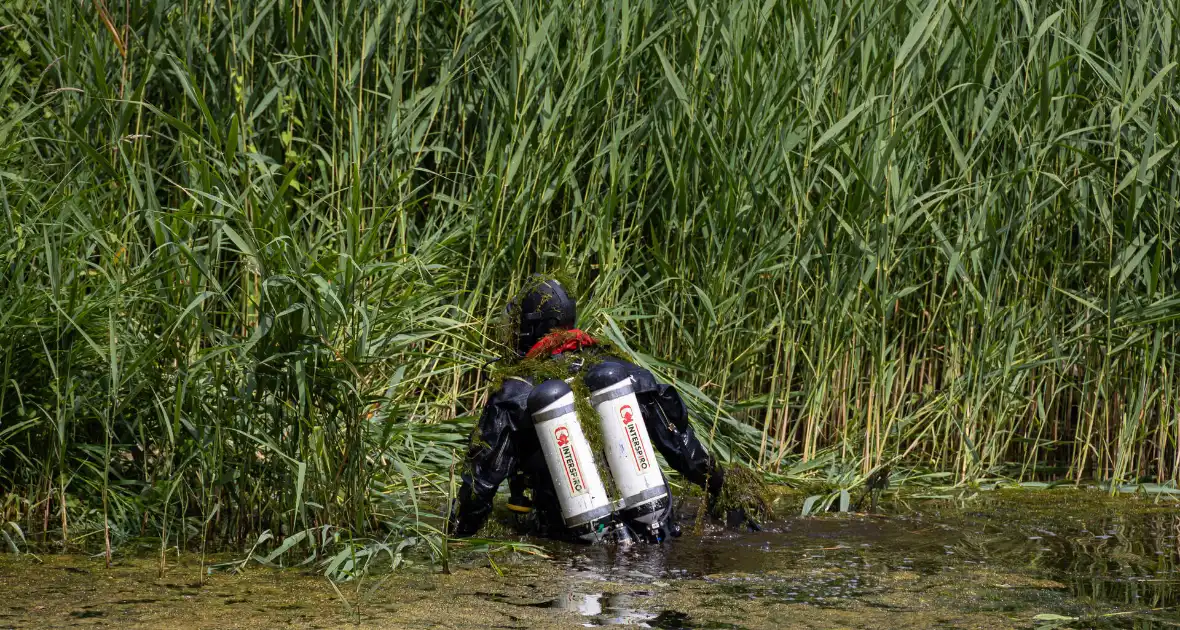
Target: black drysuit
x=506, y=446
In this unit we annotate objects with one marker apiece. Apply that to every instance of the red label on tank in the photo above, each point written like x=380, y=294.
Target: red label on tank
x=638, y=448
x=569, y=460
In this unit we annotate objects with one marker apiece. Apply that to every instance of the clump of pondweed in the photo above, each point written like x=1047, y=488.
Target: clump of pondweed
x=746, y=490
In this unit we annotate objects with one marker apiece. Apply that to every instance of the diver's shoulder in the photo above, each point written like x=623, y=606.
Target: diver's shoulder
x=517, y=384
x=514, y=388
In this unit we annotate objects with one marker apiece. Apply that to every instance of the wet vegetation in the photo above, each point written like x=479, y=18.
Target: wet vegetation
x=254, y=254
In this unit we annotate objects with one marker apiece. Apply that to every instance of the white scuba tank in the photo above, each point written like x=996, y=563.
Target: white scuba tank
x=580, y=491
x=629, y=453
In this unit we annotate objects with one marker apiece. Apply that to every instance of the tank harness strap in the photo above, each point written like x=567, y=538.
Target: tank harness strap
x=590, y=515
x=650, y=493
x=539, y=418
x=612, y=394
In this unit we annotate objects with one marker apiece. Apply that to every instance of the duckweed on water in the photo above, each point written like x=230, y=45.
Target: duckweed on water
x=993, y=560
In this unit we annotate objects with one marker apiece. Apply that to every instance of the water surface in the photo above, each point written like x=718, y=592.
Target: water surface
x=1049, y=559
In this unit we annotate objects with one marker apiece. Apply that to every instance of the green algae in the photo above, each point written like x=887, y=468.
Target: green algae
x=994, y=559
x=744, y=489
x=75, y=590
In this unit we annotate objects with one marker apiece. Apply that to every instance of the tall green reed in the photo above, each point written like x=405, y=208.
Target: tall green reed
x=255, y=250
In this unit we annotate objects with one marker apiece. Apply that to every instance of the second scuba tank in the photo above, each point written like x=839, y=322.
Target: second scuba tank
x=585, y=506
x=629, y=450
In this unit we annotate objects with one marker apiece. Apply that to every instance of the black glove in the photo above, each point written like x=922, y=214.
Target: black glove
x=738, y=517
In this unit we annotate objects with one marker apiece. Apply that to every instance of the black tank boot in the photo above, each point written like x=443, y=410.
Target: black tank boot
x=546, y=394
x=604, y=375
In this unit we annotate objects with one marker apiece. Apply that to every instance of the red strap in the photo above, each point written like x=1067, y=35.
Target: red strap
x=560, y=341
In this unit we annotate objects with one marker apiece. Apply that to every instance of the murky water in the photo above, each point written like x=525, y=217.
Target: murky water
x=1004, y=560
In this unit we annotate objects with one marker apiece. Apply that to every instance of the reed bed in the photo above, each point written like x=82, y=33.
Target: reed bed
x=254, y=251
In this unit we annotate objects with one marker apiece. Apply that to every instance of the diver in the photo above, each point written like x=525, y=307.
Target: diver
x=537, y=431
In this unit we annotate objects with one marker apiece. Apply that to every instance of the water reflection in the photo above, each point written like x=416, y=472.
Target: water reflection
x=606, y=608
x=1121, y=558
x=798, y=543
x=626, y=609
x=1110, y=569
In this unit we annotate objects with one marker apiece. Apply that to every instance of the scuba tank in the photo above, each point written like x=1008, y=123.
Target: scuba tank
x=629, y=451
x=585, y=506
